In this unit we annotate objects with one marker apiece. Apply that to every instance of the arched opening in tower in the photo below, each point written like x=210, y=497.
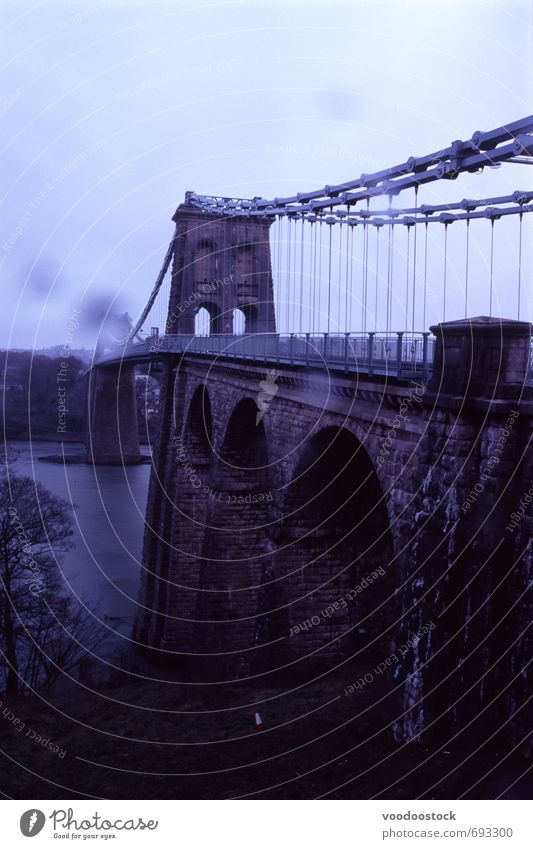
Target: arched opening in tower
x=334, y=559
x=246, y=319
x=239, y=322
x=208, y=319
x=202, y=323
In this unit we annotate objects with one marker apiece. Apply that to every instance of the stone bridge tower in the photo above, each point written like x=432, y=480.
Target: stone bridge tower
x=221, y=264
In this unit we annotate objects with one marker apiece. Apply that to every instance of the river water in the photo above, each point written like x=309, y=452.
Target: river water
x=109, y=502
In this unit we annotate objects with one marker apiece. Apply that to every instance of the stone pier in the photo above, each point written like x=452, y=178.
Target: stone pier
x=112, y=432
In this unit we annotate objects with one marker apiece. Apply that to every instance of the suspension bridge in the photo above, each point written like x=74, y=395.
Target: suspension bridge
x=351, y=281
x=375, y=448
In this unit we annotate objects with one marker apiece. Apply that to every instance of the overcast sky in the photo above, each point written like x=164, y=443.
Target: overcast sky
x=112, y=110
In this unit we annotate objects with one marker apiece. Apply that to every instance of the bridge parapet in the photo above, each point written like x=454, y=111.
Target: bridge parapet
x=396, y=355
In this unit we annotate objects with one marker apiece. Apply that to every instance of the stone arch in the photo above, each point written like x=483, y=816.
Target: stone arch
x=334, y=544
x=244, y=444
x=370, y=446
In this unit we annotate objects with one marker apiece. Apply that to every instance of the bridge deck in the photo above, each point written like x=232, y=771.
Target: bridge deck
x=399, y=355
x=394, y=355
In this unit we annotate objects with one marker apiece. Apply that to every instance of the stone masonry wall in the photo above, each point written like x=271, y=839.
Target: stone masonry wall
x=255, y=586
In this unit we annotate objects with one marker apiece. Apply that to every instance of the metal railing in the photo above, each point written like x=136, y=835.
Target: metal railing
x=398, y=354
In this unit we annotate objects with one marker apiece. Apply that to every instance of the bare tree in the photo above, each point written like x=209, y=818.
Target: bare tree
x=43, y=632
